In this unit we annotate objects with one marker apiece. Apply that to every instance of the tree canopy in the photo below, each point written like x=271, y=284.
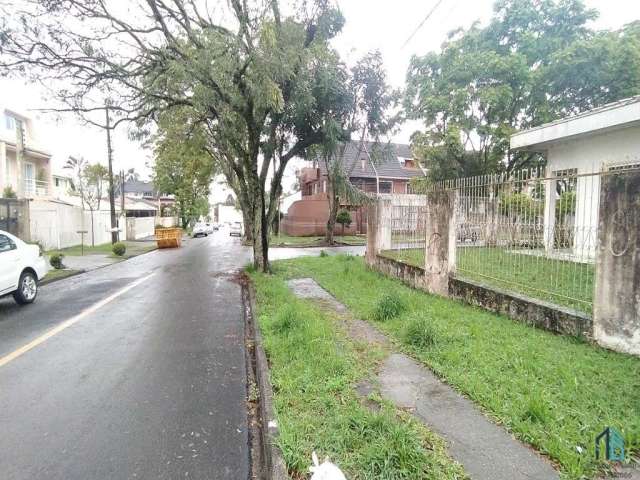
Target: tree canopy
x=534, y=62
x=251, y=75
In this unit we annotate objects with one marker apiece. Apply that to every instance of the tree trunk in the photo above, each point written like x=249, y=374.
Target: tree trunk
x=93, y=237
x=333, y=213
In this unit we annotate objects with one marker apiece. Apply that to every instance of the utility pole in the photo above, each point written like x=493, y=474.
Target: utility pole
x=112, y=201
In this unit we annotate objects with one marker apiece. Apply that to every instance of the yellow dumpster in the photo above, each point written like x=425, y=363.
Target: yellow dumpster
x=168, y=237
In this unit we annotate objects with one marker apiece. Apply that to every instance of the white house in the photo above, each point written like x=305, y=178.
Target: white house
x=25, y=164
x=583, y=146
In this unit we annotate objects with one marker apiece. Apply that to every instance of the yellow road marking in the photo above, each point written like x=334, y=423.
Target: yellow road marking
x=67, y=323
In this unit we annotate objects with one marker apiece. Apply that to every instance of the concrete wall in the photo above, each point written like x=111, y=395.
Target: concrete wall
x=617, y=287
x=524, y=309
x=55, y=225
x=140, y=227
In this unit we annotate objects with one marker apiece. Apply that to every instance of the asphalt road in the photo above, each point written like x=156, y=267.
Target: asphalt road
x=135, y=370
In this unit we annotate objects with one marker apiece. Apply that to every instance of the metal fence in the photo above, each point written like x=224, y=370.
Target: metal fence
x=527, y=232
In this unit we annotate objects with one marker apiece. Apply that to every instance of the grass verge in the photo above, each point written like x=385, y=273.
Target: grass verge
x=314, y=369
x=314, y=241
x=53, y=275
x=556, y=393
x=133, y=249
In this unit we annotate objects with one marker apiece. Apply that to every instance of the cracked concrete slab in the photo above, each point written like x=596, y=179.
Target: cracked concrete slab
x=484, y=449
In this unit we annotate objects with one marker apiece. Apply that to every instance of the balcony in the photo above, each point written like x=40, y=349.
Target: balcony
x=36, y=188
x=308, y=174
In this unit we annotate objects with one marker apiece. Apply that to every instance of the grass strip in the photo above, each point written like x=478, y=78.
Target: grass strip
x=553, y=392
x=314, y=370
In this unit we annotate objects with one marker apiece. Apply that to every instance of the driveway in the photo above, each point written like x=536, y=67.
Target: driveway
x=135, y=370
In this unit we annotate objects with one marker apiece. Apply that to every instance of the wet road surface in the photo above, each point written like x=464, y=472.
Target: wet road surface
x=142, y=377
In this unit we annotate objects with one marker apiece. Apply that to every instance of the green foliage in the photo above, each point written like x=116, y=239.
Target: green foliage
x=119, y=249
x=8, y=192
x=548, y=390
x=343, y=218
x=184, y=166
x=566, y=204
x=323, y=254
x=389, y=306
x=520, y=205
x=313, y=369
x=419, y=332
x=534, y=62
x=55, y=260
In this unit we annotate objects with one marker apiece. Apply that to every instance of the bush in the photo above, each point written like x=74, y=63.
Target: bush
x=8, y=192
x=389, y=306
x=323, y=253
x=119, y=249
x=55, y=260
x=344, y=219
x=159, y=226
x=419, y=333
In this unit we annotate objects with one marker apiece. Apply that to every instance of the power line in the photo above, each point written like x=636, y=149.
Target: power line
x=433, y=9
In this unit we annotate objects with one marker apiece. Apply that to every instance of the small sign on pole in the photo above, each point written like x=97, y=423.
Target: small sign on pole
x=82, y=234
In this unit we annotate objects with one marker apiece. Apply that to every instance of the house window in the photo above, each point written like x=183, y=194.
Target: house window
x=147, y=194
x=9, y=122
x=625, y=166
x=57, y=181
x=407, y=188
x=385, y=187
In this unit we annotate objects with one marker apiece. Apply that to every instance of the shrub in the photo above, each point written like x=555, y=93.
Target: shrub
x=8, y=192
x=389, y=306
x=119, y=249
x=286, y=319
x=323, y=253
x=159, y=226
x=419, y=333
x=55, y=260
x=344, y=219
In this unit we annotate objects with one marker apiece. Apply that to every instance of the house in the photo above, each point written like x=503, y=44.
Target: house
x=580, y=148
x=374, y=169
x=25, y=165
x=137, y=189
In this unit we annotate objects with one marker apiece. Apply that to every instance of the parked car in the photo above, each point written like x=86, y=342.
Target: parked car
x=22, y=266
x=210, y=228
x=235, y=229
x=199, y=230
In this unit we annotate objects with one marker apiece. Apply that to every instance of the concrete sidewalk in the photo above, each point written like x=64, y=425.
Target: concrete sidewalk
x=485, y=450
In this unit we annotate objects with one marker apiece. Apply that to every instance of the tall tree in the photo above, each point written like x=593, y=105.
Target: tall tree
x=363, y=100
x=248, y=72
x=183, y=164
x=534, y=62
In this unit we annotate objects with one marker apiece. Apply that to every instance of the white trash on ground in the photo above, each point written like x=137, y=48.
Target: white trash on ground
x=325, y=471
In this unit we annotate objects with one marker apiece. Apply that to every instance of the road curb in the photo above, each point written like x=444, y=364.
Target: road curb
x=44, y=281
x=274, y=467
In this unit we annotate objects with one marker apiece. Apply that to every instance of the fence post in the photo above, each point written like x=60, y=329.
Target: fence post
x=378, y=228
x=440, y=245
x=549, y=211
x=616, y=305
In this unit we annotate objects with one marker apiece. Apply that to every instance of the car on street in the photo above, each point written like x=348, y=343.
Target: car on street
x=22, y=266
x=235, y=229
x=200, y=230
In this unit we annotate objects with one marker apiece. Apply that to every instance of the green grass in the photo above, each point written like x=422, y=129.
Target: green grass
x=53, y=275
x=556, y=393
x=314, y=369
x=133, y=249
x=314, y=241
x=565, y=283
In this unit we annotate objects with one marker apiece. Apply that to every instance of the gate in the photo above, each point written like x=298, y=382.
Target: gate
x=14, y=217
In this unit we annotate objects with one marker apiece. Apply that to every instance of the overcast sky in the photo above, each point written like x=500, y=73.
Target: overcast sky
x=370, y=24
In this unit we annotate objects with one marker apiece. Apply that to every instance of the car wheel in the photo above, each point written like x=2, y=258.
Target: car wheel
x=27, y=289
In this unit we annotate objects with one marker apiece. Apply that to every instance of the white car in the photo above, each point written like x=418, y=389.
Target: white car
x=199, y=229
x=22, y=266
x=235, y=229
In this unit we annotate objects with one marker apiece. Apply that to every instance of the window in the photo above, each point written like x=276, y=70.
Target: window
x=57, y=181
x=408, y=188
x=625, y=166
x=9, y=122
x=147, y=194
x=6, y=244
x=385, y=187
